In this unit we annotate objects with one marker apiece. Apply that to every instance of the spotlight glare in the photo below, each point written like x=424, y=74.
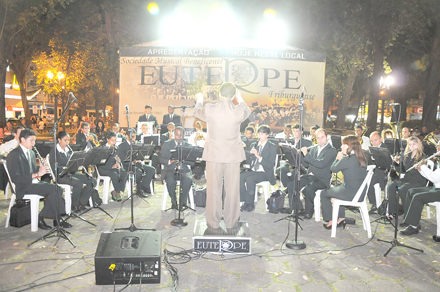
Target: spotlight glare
x=153, y=8
x=272, y=33
x=269, y=13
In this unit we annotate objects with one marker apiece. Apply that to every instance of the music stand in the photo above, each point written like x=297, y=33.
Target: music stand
x=393, y=145
x=98, y=156
x=381, y=157
x=140, y=152
x=336, y=141
x=151, y=139
x=74, y=164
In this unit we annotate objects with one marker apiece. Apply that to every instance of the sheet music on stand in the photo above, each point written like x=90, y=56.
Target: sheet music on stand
x=75, y=162
x=381, y=157
x=290, y=153
x=188, y=153
x=140, y=152
x=98, y=155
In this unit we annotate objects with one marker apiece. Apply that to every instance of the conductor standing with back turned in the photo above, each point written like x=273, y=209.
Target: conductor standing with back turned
x=223, y=153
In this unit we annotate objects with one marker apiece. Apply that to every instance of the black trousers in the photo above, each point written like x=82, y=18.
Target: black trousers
x=310, y=184
x=248, y=182
x=49, y=192
x=282, y=172
x=117, y=180
x=171, y=179
x=419, y=198
x=395, y=192
x=144, y=175
x=378, y=177
x=80, y=195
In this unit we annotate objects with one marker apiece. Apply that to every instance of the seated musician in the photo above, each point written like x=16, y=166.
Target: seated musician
x=262, y=162
x=80, y=193
x=365, y=141
x=412, y=179
x=417, y=198
x=286, y=134
x=11, y=144
x=198, y=137
x=144, y=173
x=85, y=135
x=253, y=125
x=318, y=160
x=351, y=161
x=25, y=174
x=115, y=128
x=284, y=170
x=170, y=173
x=169, y=135
x=249, y=132
x=406, y=133
x=379, y=174
x=113, y=169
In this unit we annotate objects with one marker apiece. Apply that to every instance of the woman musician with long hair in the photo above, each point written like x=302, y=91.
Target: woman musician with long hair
x=352, y=163
x=80, y=193
x=412, y=179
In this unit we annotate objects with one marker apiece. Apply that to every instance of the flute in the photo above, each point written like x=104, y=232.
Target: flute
x=418, y=163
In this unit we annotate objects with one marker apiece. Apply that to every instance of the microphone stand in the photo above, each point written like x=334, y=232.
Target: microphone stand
x=298, y=244
x=394, y=242
x=131, y=173
x=60, y=232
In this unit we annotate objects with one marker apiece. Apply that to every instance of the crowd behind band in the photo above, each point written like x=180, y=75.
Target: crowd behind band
x=317, y=155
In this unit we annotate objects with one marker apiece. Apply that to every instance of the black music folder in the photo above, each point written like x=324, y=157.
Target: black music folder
x=187, y=153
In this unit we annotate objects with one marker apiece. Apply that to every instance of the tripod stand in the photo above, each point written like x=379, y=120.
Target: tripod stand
x=131, y=173
x=298, y=244
x=57, y=231
x=394, y=242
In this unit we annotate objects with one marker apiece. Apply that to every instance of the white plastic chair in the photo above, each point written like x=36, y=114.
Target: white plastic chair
x=267, y=187
x=430, y=165
x=8, y=186
x=67, y=190
x=317, y=203
x=355, y=203
x=437, y=214
x=34, y=203
x=165, y=195
x=108, y=186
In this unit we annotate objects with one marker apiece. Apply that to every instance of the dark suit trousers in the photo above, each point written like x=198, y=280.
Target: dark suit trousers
x=420, y=197
x=143, y=178
x=248, y=182
x=310, y=184
x=79, y=195
x=114, y=175
x=395, y=192
x=282, y=172
x=326, y=203
x=49, y=191
x=378, y=177
x=171, y=179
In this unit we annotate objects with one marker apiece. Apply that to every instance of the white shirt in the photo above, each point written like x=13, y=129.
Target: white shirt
x=61, y=149
x=8, y=146
x=282, y=135
x=433, y=176
x=320, y=148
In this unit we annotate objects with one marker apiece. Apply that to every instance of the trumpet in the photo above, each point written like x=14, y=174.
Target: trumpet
x=43, y=162
x=420, y=162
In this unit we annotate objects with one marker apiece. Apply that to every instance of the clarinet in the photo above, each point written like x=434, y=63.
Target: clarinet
x=43, y=161
x=118, y=160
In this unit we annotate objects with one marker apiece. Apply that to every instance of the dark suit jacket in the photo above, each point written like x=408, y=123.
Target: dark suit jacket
x=304, y=143
x=165, y=156
x=320, y=165
x=175, y=120
x=268, y=156
x=19, y=170
x=164, y=137
x=62, y=159
x=82, y=140
x=151, y=118
x=354, y=174
x=122, y=151
x=110, y=162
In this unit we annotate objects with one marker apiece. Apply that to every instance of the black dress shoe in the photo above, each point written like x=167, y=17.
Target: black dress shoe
x=308, y=216
x=373, y=210
x=403, y=224
x=409, y=231
x=249, y=208
x=141, y=193
x=63, y=223
x=43, y=225
x=301, y=212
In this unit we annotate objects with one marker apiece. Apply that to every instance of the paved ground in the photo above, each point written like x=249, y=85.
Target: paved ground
x=349, y=262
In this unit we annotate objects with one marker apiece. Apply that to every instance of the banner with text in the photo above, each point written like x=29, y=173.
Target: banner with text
x=271, y=81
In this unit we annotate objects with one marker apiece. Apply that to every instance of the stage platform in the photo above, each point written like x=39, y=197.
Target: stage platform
x=222, y=240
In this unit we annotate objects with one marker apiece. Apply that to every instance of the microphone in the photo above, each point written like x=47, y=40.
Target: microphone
x=73, y=96
x=126, y=107
x=302, y=92
x=393, y=104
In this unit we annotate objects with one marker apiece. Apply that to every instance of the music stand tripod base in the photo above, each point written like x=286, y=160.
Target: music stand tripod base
x=296, y=245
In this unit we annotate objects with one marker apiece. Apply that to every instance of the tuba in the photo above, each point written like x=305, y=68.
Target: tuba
x=431, y=139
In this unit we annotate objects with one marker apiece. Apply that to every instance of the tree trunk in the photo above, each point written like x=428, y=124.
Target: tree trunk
x=374, y=88
x=20, y=72
x=2, y=92
x=430, y=101
x=346, y=95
